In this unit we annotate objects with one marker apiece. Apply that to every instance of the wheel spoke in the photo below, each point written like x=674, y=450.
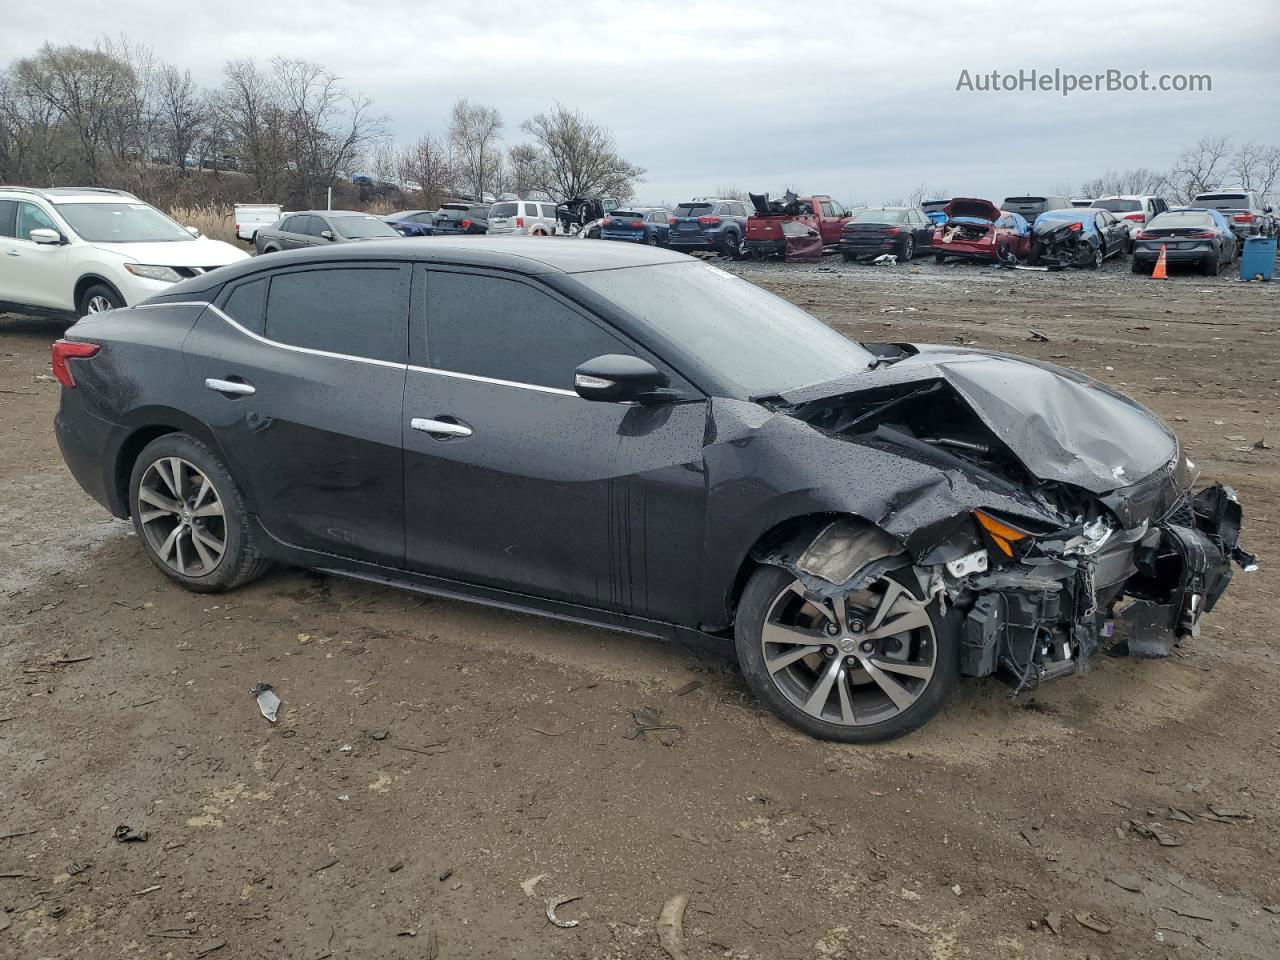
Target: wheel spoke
x=893, y=590
x=205, y=488
x=179, y=485
x=212, y=542
x=915, y=618
x=180, y=560
x=213, y=509
x=900, y=695
x=777, y=633
x=846, y=707
x=206, y=559
x=821, y=692
x=170, y=543
x=157, y=499
x=923, y=671
x=791, y=656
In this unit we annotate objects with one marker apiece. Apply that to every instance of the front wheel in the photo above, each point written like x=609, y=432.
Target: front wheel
x=908, y=250
x=939, y=258
x=871, y=665
x=190, y=516
x=99, y=298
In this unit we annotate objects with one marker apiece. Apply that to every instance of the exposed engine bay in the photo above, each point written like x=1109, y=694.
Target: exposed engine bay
x=1109, y=548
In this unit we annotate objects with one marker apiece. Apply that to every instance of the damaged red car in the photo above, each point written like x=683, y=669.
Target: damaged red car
x=979, y=230
x=818, y=219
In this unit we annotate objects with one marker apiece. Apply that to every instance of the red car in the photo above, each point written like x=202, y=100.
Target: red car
x=764, y=236
x=979, y=230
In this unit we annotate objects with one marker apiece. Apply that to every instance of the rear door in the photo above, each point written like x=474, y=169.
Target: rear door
x=513, y=481
x=301, y=379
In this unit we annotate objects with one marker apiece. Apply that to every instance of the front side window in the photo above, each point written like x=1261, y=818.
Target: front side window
x=29, y=217
x=122, y=223
x=356, y=311
x=508, y=330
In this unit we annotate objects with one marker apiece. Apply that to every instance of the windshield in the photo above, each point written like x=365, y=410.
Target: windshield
x=877, y=215
x=750, y=338
x=357, y=228
x=1223, y=201
x=121, y=223
x=1118, y=206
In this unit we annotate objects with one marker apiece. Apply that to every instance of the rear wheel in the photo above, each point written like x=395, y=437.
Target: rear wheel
x=1096, y=258
x=908, y=249
x=731, y=246
x=1210, y=265
x=848, y=257
x=1137, y=266
x=99, y=298
x=939, y=258
x=871, y=665
x=190, y=516
x=651, y=239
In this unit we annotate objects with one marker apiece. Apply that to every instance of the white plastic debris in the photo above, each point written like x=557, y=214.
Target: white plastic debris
x=268, y=702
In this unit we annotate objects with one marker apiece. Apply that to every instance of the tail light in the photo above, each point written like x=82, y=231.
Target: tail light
x=708, y=221
x=671, y=221
x=466, y=224
x=1243, y=218
x=1074, y=227
x=1137, y=217
x=607, y=222
x=519, y=221
x=237, y=228
x=66, y=350
x=1199, y=235
x=1145, y=235
x=892, y=231
x=638, y=224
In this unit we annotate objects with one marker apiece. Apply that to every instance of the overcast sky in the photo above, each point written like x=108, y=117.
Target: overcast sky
x=857, y=100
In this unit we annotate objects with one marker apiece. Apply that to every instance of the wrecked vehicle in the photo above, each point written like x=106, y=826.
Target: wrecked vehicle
x=765, y=235
x=620, y=435
x=583, y=216
x=979, y=230
x=1078, y=238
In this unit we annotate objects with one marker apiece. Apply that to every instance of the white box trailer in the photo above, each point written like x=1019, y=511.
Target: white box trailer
x=250, y=216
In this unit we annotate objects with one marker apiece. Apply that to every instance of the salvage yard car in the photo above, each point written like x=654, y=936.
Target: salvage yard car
x=1248, y=214
x=1201, y=238
x=650, y=225
x=1078, y=238
x=874, y=231
x=765, y=227
x=412, y=223
x=1136, y=210
x=978, y=230
x=709, y=224
x=1031, y=207
x=319, y=228
x=625, y=436
x=69, y=251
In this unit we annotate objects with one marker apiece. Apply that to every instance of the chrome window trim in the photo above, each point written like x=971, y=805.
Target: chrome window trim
x=381, y=363
x=171, y=303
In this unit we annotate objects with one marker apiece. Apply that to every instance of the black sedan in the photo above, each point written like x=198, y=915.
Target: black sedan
x=319, y=228
x=625, y=436
x=1076, y=237
x=875, y=231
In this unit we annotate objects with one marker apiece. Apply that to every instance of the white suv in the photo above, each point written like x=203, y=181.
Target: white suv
x=523, y=217
x=78, y=250
x=1134, y=210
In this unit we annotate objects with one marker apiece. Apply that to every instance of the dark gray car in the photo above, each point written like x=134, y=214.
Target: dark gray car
x=1246, y=212
x=320, y=228
x=1032, y=207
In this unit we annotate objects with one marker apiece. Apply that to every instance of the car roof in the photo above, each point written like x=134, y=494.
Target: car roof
x=1127, y=196
x=531, y=256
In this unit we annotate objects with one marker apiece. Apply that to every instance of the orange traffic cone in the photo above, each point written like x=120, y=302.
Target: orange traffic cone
x=1161, y=272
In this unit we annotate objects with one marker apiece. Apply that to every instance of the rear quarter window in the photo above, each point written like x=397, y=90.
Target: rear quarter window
x=246, y=305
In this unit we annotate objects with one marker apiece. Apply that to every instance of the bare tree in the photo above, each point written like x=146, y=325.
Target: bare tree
x=1256, y=167
x=1139, y=180
x=475, y=133
x=731, y=192
x=1200, y=168
x=249, y=112
x=426, y=166
x=923, y=192
x=576, y=157
x=183, y=114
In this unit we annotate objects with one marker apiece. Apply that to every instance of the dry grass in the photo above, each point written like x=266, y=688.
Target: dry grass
x=214, y=222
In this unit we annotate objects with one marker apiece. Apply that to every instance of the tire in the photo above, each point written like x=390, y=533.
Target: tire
x=731, y=246
x=157, y=525
x=652, y=240
x=939, y=258
x=848, y=257
x=98, y=298
x=1137, y=266
x=1211, y=266
x=907, y=252
x=1095, y=262
x=770, y=586
x=267, y=250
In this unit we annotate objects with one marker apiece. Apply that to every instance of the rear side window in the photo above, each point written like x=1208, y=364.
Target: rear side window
x=295, y=225
x=549, y=211
x=358, y=311
x=508, y=330
x=246, y=305
x=6, y=217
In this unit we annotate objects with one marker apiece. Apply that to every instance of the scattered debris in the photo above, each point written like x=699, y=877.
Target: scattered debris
x=445, y=874
x=1189, y=912
x=62, y=661
x=1180, y=815
x=1053, y=920
x=268, y=702
x=1126, y=881
x=75, y=868
x=1228, y=813
x=532, y=882
x=955, y=888
x=126, y=834
x=648, y=720
x=1262, y=445
x=683, y=834
x=377, y=734
x=671, y=927
x=396, y=867
x=688, y=688
x=5, y=922
x=886, y=260
x=1152, y=831
x=325, y=865
x=145, y=890
x=1090, y=922
x=554, y=903
x=428, y=750
x=1037, y=337
x=551, y=725
x=209, y=947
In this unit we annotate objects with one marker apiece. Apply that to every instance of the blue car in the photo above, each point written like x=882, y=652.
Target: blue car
x=651, y=225
x=412, y=223
x=935, y=210
x=708, y=223
x=1078, y=237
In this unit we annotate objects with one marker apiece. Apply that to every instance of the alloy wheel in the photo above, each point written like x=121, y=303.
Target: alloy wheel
x=99, y=304
x=908, y=249
x=855, y=660
x=182, y=517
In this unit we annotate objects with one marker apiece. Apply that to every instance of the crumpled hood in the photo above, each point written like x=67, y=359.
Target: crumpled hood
x=1062, y=425
x=197, y=252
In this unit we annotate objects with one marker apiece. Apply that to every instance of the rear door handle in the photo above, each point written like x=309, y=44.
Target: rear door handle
x=235, y=387
x=440, y=429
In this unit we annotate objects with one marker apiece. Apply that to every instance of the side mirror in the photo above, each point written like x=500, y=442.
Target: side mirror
x=617, y=378
x=326, y=234
x=1267, y=209
x=45, y=236
x=194, y=231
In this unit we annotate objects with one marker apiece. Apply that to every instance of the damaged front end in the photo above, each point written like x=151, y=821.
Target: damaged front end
x=1110, y=549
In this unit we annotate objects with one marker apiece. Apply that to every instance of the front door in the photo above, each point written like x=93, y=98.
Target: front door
x=32, y=273
x=513, y=481
x=301, y=378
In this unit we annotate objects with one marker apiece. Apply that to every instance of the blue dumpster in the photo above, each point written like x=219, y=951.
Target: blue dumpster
x=1259, y=258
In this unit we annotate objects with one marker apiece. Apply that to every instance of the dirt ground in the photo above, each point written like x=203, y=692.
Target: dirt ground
x=433, y=758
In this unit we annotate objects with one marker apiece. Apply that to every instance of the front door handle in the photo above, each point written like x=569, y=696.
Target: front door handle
x=12, y=253
x=440, y=429
x=234, y=387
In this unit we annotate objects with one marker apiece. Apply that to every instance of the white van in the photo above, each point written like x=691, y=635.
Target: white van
x=523, y=218
x=250, y=216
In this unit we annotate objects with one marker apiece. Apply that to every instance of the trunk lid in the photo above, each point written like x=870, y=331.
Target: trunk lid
x=973, y=208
